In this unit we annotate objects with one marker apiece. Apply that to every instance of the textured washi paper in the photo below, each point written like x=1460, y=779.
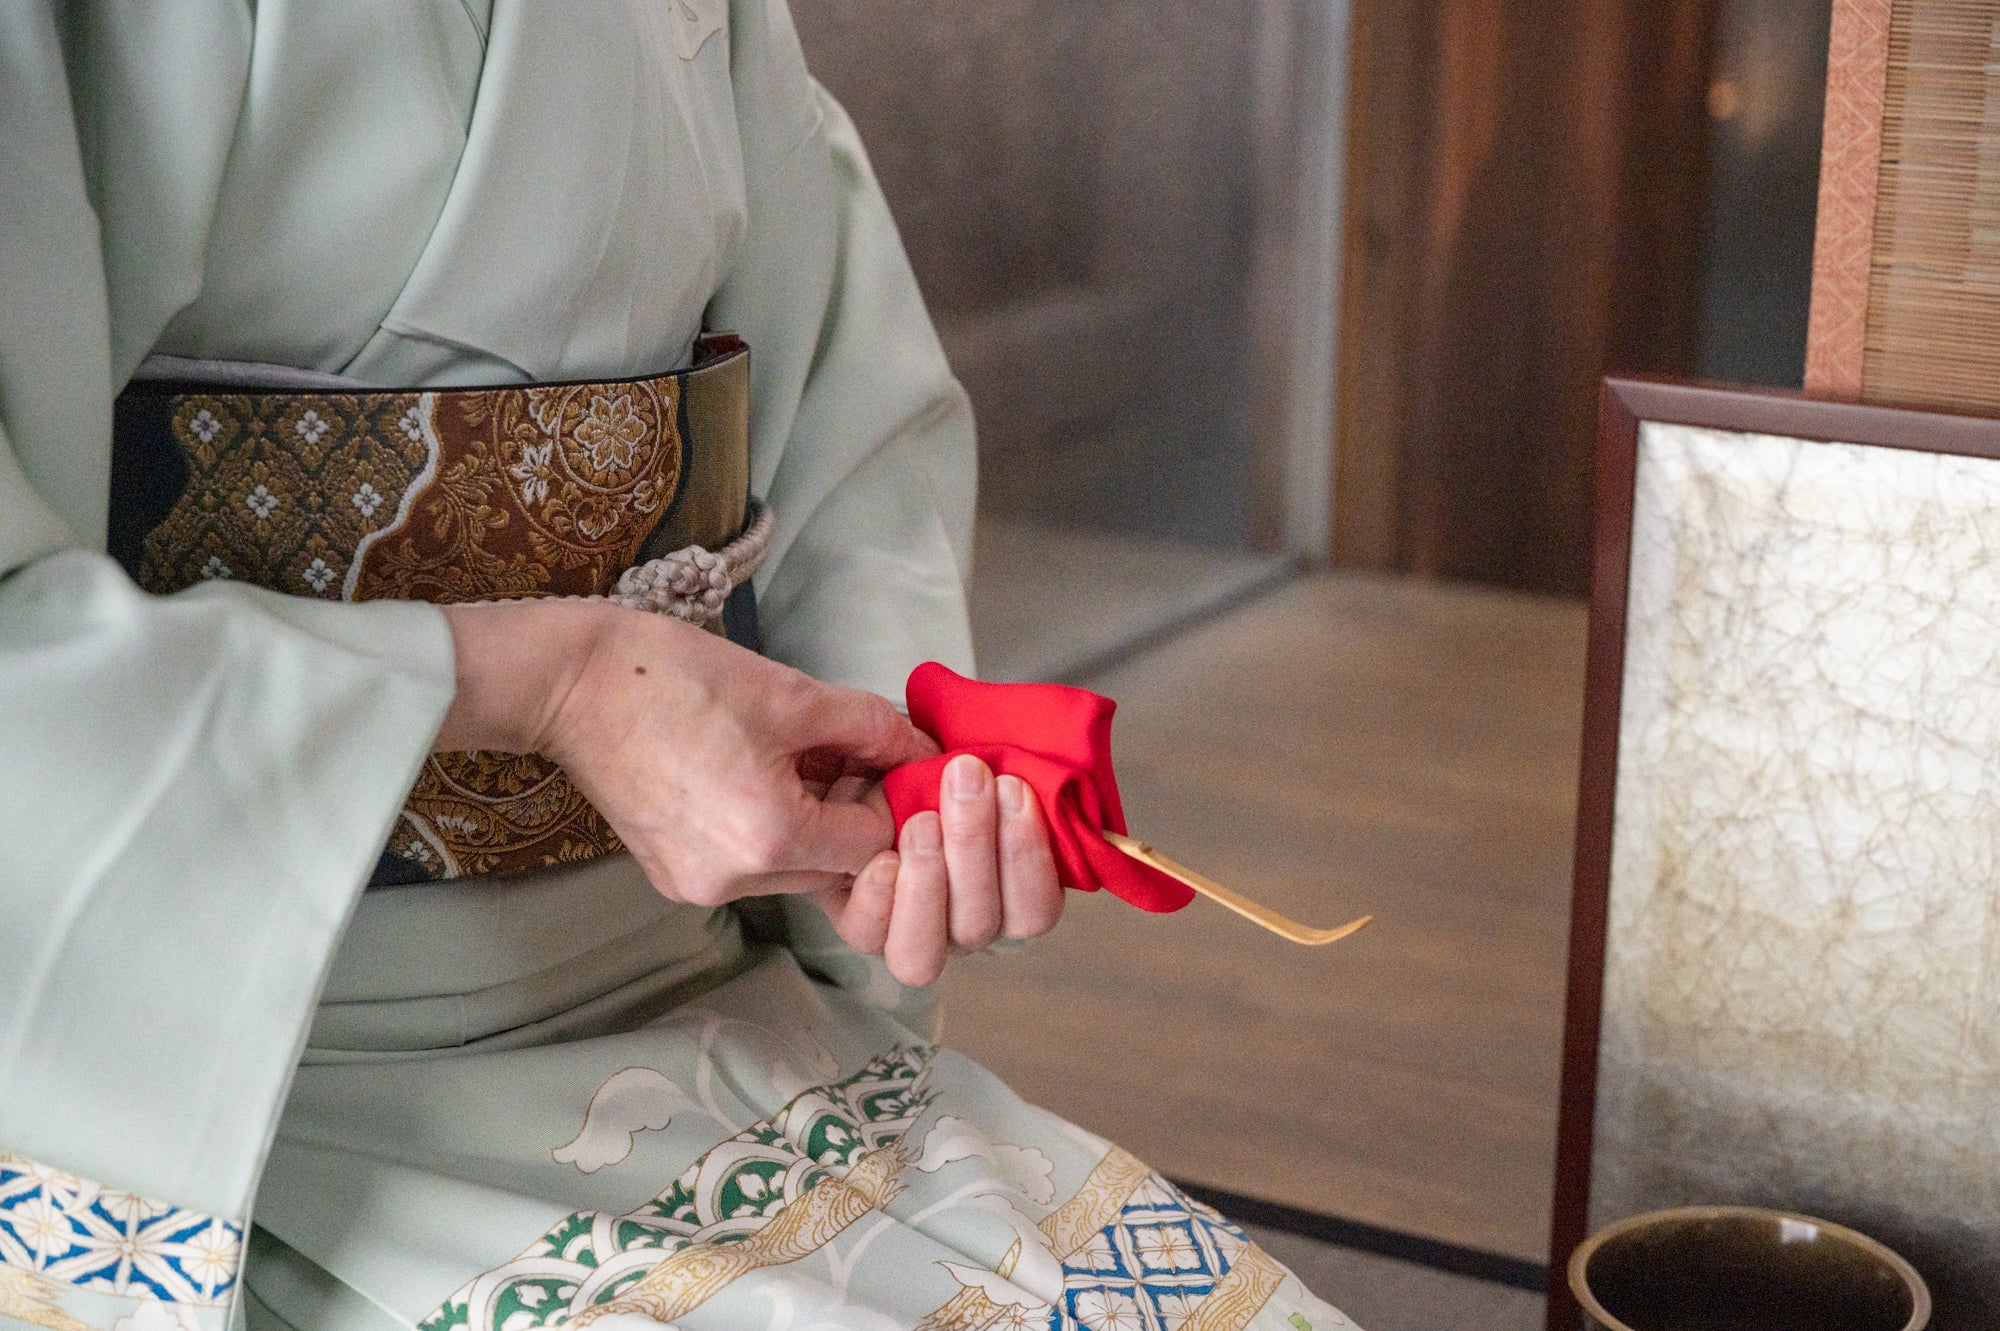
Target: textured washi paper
x=1802, y=975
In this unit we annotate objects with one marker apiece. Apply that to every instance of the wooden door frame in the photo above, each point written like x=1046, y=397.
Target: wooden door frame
x=1301, y=95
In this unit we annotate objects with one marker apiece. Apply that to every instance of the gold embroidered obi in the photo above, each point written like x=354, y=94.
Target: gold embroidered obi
x=444, y=495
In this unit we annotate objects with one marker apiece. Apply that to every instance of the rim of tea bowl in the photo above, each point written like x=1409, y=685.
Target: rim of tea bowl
x=1920, y=1295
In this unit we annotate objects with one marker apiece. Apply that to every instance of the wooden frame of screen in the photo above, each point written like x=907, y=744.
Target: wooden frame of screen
x=1623, y=405
x=1850, y=167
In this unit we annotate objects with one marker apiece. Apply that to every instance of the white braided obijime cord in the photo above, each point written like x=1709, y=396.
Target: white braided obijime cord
x=692, y=583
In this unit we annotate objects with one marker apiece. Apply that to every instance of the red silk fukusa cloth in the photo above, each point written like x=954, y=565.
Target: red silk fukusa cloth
x=1055, y=738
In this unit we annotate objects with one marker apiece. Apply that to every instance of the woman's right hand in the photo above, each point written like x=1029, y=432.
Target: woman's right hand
x=709, y=761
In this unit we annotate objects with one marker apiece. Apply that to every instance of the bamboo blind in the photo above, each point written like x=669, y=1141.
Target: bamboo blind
x=1917, y=192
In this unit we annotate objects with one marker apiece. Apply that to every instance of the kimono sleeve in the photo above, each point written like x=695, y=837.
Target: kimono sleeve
x=193, y=787
x=861, y=438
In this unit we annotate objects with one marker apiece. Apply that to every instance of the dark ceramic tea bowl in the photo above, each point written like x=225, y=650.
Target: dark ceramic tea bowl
x=1743, y=1268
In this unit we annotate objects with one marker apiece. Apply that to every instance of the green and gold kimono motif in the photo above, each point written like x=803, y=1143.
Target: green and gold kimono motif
x=876, y=1180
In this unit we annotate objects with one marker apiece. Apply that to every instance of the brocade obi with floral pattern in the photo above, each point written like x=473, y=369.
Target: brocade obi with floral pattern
x=442, y=495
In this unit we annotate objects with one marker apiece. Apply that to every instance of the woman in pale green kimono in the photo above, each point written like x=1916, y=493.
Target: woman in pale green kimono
x=586, y=1094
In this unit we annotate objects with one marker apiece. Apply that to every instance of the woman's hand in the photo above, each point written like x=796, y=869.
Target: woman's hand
x=707, y=760
x=977, y=870
x=728, y=775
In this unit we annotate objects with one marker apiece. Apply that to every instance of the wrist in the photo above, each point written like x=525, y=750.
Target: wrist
x=515, y=663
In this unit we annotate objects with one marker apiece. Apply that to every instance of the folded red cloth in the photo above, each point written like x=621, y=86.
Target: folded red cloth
x=1055, y=738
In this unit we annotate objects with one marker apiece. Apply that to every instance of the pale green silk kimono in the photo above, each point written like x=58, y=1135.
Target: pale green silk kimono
x=502, y=1103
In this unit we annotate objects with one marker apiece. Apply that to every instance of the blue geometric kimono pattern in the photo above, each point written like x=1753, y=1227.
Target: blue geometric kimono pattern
x=74, y=1232
x=1148, y=1269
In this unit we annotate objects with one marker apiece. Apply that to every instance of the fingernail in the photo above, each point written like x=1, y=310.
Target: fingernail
x=926, y=836
x=966, y=778
x=1013, y=795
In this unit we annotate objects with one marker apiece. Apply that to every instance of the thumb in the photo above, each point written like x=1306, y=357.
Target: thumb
x=860, y=726
x=831, y=837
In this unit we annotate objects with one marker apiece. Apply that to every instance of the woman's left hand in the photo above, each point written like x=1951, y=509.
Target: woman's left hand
x=978, y=870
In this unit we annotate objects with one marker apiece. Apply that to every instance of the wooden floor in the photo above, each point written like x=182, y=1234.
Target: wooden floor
x=1344, y=744
x=1050, y=602
x=1383, y=1294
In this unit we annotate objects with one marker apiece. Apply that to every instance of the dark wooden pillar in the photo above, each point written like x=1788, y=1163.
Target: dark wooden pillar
x=1525, y=189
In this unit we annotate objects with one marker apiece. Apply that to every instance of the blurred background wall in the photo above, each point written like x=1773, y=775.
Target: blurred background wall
x=1104, y=202
x=1544, y=192
x=1124, y=213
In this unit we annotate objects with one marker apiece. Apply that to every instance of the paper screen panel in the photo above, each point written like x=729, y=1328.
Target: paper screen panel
x=1802, y=976
x=1933, y=333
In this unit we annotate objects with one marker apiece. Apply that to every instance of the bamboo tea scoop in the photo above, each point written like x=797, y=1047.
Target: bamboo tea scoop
x=1263, y=916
